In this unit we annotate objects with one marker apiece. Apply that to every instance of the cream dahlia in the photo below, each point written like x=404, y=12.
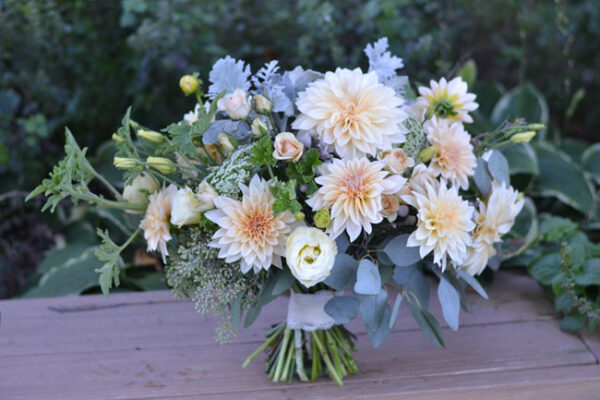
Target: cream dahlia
x=353, y=112
x=420, y=177
x=352, y=189
x=249, y=232
x=443, y=225
x=493, y=219
x=454, y=159
x=156, y=221
x=446, y=100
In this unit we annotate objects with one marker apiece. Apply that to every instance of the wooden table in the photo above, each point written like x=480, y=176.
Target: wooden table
x=149, y=346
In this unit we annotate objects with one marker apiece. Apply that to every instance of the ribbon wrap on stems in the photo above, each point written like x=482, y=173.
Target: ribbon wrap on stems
x=307, y=311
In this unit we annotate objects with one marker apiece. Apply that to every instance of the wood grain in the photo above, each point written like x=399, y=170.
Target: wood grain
x=149, y=346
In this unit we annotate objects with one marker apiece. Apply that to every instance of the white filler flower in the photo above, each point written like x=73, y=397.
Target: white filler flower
x=446, y=100
x=156, y=221
x=249, y=232
x=494, y=219
x=353, y=112
x=310, y=254
x=353, y=190
x=443, y=224
x=454, y=159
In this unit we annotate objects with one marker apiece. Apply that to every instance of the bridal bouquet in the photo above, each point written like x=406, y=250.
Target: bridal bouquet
x=342, y=188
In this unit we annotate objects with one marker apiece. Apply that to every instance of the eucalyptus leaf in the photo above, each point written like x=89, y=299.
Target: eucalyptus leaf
x=498, y=167
x=428, y=324
x=471, y=281
x=368, y=280
x=239, y=130
x=372, y=309
x=342, y=242
x=450, y=302
x=394, y=315
x=343, y=272
x=413, y=280
x=283, y=281
x=378, y=334
x=399, y=253
x=482, y=178
x=342, y=308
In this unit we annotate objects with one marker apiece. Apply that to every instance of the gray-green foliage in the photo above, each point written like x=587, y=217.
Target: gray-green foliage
x=196, y=272
x=235, y=170
x=416, y=140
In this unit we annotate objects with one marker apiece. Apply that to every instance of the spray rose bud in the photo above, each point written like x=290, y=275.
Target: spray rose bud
x=262, y=104
x=189, y=84
x=427, y=153
x=259, y=128
x=322, y=219
x=299, y=216
x=397, y=161
x=287, y=147
x=117, y=138
x=523, y=137
x=310, y=254
x=389, y=206
x=236, y=105
x=138, y=190
x=151, y=136
x=127, y=163
x=206, y=196
x=226, y=144
x=161, y=164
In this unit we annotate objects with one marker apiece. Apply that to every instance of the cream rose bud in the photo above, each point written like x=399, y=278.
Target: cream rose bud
x=236, y=105
x=137, y=192
x=310, y=254
x=389, y=206
x=186, y=208
x=206, y=196
x=397, y=161
x=287, y=147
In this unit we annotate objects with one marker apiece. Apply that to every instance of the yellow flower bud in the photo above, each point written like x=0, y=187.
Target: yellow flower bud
x=259, y=128
x=523, y=137
x=189, y=84
x=161, y=164
x=427, y=153
x=322, y=218
x=262, y=104
x=151, y=136
x=127, y=163
x=299, y=216
x=536, y=127
x=117, y=138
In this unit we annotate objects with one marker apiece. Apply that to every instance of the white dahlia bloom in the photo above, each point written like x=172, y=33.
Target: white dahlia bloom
x=446, y=100
x=353, y=112
x=454, y=159
x=417, y=183
x=156, y=221
x=444, y=224
x=352, y=189
x=493, y=219
x=249, y=232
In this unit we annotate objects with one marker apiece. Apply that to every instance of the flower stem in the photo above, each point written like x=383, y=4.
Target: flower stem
x=267, y=343
x=299, y=355
x=323, y=351
x=280, y=358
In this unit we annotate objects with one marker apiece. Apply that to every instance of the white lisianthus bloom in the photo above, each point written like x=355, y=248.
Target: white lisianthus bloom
x=397, y=161
x=494, y=219
x=352, y=112
x=236, y=105
x=287, y=147
x=206, y=196
x=420, y=177
x=156, y=221
x=186, y=208
x=140, y=188
x=454, y=159
x=444, y=224
x=310, y=254
x=446, y=100
x=352, y=190
x=249, y=232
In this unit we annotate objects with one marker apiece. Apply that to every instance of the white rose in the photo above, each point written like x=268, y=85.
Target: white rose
x=389, y=206
x=310, y=254
x=186, y=208
x=287, y=147
x=137, y=192
x=206, y=196
x=236, y=104
x=397, y=161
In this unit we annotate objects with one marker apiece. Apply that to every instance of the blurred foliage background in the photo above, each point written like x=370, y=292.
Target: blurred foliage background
x=80, y=63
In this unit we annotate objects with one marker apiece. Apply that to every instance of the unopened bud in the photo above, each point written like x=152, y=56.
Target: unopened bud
x=161, y=164
x=226, y=143
x=262, y=104
x=536, y=127
x=151, y=136
x=523, y=137
x=127, y=163
x=299, y=216
x=259, y=128
x=322, y=218
x=427, y=153
x=189, y=84
x=117, y=138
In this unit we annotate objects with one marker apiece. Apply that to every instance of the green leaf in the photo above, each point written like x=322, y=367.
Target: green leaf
x=488, y=94
x=561, y=178
x=66, y=255
x=285, y=197
x=343, y=272
x=376, y=314
x=521, y=102
x=450, y=302
x=304, y=170
x=498, y=167
x=563, y=302
x=368, y=280
x=265, y=296
x=395, y=309
x=521, y=159
x=283, y=281
x=262, y=152
x=573, y=322
x=399, y=253
x=342, y=308
x=590, y=274
x=554, y=228
x=590, y=161
x=428, y=324
x=546, y=268
x=468, y=72
x=110, y=254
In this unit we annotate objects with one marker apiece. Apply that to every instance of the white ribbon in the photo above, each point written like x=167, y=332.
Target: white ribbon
x=307, y=311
